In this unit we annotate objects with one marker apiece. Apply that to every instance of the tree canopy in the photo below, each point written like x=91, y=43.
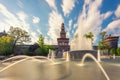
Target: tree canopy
x=102, y=44
x=43, y=49
x=6, y=43
x=19, y=35
x=41, y=41
x=103, y=35
x=89, y=35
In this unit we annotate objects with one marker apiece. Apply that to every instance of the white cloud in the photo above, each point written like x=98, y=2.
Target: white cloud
x=70, y=23
x=55, y=21
x=68, y=34
x=38, y=30
x=107, y=14
x=118, y=45
x=117, y=12
x=20, y=4
x=34, y=37
x=36, y=19
x=48, y=41
x=69, y=28
x=52, y=4
x=22, y=21
x=113, y=28
x=75, y=26
x=22, y=16
x=67, y=6
x=8, y=19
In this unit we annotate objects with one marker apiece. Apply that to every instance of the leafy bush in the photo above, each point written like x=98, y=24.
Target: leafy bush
x=6, y=43
x=113, y=51
x=41, y=51
x=118, y=51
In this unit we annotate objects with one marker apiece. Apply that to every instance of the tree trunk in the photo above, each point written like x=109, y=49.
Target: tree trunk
x=14, y=44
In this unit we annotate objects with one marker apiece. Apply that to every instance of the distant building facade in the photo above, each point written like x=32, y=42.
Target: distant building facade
x=112, y=41
x=63, y=42
x=3, y=33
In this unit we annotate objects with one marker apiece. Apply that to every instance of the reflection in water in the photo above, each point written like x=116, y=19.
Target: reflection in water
x=53, y=72
x=24, y=71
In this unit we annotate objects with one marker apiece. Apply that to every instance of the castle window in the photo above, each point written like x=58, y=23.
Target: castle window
x=63, y=43
x=59, y=43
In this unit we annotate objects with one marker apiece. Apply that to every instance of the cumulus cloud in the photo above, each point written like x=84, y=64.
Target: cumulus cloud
x=7, y=17
x=75, y=26
x=70, y=23
x=67, y=6
x=38, y=30
x=69, y=28
x=107, y=14
x=20, y=4
x=22, y=21
x=22, y=16
x=48, y=41
x=117, y=12
x=19, y=20
x=113, y=28
x=34, y=37
x=52, y=4
x=55, y=21
x=118, y=45
x=68, y=34
x=36, y=19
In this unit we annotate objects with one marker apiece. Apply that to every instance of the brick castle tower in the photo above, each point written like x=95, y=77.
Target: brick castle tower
x=63, y=42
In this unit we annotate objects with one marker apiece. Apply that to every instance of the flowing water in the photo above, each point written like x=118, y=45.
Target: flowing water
x=35, y=69
x=96, y=61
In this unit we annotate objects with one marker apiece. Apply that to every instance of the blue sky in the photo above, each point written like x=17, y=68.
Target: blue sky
x=45, y=17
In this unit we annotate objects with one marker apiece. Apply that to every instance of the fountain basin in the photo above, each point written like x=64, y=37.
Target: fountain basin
x=78, y=54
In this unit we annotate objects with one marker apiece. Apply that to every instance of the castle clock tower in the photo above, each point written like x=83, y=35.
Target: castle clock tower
x=63, y=42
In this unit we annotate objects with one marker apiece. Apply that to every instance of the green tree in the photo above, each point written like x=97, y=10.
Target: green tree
x=113, y=51
x=118, y=51
x=6, y=43
x=41, y=41
x=102, y=44
x=89, y=36
x=103, y=35
x=20, y=36
x=43, y=49
x=49, y=47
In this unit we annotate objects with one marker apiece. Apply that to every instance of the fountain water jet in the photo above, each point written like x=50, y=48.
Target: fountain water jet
x=14, y=64
x=99, y=65
x=52, y=56
x=15, y=57
x=98, y=56
x=26, y=58
x=44, y=58
x=49, y=54
x=67, y=56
